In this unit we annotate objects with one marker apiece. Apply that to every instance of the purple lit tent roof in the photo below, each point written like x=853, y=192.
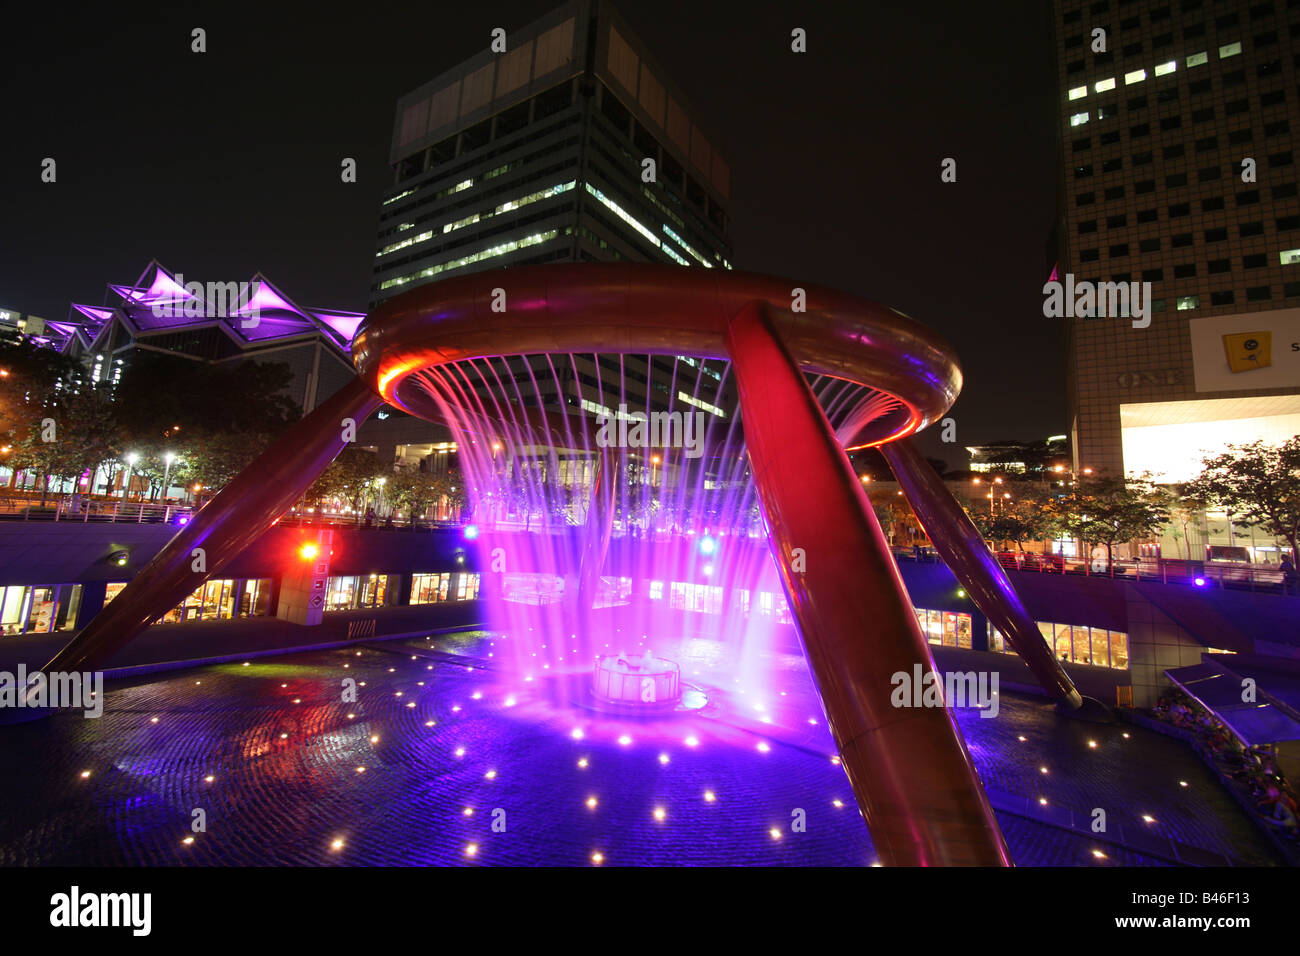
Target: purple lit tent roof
x=159, y=302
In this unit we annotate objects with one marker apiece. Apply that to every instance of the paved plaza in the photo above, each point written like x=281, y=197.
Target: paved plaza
x=441, y=760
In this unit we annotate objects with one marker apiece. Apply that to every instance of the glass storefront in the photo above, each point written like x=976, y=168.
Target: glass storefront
x=430, y=588
x=356, y=591
x=1076, y=643
x=442, y=586
x=219, y=600
x=946, y=628
x=39, y=609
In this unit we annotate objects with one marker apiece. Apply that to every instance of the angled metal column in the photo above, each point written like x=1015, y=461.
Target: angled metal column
x=226, y=525
x=909, y=768
x=963, y=549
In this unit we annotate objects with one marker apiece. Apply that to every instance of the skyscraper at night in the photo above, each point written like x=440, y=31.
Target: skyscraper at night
x=1177, y=144
x=543, y=153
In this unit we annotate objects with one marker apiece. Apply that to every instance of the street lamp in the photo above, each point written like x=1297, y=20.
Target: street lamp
x=131, y=459
x=168, y=458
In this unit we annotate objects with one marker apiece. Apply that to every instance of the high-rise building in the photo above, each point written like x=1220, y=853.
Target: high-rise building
x=571, y=144
x=1178, y=123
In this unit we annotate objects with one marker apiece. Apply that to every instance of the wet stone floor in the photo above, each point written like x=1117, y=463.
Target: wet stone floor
x=439, y=760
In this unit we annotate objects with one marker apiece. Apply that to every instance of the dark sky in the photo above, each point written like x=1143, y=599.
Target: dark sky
x=226, y=163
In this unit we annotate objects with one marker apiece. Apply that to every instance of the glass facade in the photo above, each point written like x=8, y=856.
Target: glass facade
x=946, y=628
x=1076, y=643
x=430, y=588
x=356, y=591
x=39, y=609
x=436, y=587
x=217, y=600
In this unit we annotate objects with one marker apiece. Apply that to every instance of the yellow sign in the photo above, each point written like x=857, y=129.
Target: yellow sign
x=1248, y=350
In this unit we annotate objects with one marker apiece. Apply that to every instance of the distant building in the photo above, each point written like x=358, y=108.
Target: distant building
x=541, y=154
x=1177, y=146
x=210, y=322
x=1032, y=459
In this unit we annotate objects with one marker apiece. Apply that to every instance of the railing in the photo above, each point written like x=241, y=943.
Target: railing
x=1197, y=574
x=92, y=510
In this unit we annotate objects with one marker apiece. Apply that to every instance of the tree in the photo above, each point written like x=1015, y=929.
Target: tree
x=415, y=490
x=1105, y=510
x=31, y=380
x=1185, y=506
x=1258, y=482
x=351, y=476
x=76, y=433
x=1020, y=519
x=159, y=392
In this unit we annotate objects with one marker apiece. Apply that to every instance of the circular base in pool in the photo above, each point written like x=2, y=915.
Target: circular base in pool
x=692, y=699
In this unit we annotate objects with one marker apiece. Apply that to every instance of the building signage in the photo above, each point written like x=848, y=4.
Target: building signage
x=1250, y=351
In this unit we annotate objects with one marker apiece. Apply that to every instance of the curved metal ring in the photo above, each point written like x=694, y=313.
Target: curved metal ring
x=653, y=309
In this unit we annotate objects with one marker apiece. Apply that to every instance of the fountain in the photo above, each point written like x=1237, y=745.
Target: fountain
x=712, y=551
x=638, y=683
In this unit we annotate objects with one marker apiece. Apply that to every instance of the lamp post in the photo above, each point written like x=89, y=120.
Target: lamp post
x=131, y=459
x=168, y=458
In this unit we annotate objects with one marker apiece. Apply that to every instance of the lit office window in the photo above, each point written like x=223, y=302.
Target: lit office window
x=682, y=242
x=619, y=211
x=1232, y=49
x=1137, y=76
x=1289, y=257
x=1165, y=68
x=1078, y=119
x=673, y=255
x=1198, y=59
x=1101, y=86
x=1078, y=92
x=692, y=400
x=1186, y=302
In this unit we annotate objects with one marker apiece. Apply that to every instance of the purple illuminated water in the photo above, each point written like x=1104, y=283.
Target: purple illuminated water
x=594, y=543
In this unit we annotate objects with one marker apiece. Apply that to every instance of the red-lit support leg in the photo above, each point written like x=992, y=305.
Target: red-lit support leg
x=229, y=523
x=968, y=557
x=911, y=774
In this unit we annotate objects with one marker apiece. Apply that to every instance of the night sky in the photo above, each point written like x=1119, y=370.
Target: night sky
x=226, y=163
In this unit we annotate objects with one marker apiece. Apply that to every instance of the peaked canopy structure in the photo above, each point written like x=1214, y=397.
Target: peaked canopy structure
x=251, y=313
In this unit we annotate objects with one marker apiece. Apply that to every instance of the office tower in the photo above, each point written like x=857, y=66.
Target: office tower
x=1156, y=132
x=542, y=153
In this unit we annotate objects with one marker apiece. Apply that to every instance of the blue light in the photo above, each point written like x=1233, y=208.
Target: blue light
x=708, y=545
x=1200, y=582
x=471, y=532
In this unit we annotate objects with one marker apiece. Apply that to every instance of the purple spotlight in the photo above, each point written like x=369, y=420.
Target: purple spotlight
x=1199, y=582
x=471, y=532
x=183, y=520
